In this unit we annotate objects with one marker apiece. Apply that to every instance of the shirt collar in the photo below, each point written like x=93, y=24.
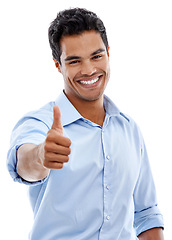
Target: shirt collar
x=69, y=113
x=110, y=108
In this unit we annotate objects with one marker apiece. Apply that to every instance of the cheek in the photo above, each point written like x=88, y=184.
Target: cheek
x=104, y=65
x=69, y=74
x=107, y=67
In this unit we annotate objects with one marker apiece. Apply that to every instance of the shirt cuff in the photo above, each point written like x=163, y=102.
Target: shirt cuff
x=147, y=219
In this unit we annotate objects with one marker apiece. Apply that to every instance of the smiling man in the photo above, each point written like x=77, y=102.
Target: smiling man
x=85, y=161
x=84, y=64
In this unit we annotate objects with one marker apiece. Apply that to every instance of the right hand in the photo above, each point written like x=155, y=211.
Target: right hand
x=56, y=148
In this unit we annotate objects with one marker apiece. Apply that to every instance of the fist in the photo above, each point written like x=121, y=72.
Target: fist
x=56, y=148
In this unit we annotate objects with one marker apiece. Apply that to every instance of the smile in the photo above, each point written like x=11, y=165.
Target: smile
x=89, y=82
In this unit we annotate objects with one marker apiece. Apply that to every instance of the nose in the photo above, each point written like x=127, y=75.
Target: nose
x=87, y=68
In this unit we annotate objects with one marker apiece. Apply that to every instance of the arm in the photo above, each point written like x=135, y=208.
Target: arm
x=152, y=234
x=29, y=164
x=35, y=161
x=147, y=215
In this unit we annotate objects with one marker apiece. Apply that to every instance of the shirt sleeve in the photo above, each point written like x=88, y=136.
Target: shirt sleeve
x=27, y=130
x=147, y=213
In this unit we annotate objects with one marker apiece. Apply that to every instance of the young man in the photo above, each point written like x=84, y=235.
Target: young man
x=84, y=160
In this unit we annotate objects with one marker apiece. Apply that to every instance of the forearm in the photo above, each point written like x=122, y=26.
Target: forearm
x=29, y=165
x=152, y=234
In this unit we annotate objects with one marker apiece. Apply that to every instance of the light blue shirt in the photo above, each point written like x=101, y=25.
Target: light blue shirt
x=105, y=191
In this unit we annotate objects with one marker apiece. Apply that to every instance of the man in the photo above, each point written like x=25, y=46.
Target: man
x=84, y=160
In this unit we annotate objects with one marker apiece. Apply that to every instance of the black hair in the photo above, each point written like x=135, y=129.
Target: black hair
x=71, y=22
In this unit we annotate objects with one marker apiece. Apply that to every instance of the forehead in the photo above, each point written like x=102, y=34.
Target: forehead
x=82, y=44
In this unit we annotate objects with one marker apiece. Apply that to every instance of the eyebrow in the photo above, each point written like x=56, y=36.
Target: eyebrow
x=100, y=50
x=69, y=58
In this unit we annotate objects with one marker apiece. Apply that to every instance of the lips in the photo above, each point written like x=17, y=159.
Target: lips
x=89, y=81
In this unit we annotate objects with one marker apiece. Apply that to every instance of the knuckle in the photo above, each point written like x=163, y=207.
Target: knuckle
x=48, y=157
x=50, y=135
x=45, y=155
x=46, y=146
x=46, y=163
x=48, y=138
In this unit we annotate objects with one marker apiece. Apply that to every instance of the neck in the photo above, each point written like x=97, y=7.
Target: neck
x=91, y=110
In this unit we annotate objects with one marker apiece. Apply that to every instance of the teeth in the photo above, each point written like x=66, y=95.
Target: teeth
x=89, y=82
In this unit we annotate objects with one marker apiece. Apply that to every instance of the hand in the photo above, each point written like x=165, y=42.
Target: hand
x=56, y=148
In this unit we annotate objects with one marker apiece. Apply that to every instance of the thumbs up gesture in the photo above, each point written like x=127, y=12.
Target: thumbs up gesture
x=56, y=146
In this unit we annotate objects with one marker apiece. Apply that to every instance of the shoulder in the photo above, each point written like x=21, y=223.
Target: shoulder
x=114, y=111
x=44, y=115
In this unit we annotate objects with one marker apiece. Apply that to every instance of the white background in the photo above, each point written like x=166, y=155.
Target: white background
x=140, y=37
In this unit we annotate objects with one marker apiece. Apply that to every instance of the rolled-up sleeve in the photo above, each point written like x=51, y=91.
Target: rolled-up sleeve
x=147, y=213
x=28, y=130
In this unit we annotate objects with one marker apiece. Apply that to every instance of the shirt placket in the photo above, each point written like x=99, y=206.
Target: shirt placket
x=106, y=182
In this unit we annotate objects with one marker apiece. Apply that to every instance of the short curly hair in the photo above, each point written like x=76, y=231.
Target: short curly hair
x=71, y=22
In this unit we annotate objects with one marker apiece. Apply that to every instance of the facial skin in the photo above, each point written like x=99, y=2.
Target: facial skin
x=84, y=66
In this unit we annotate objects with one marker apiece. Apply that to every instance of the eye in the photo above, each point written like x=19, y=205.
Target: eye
x=97, y=57
x=74, y=62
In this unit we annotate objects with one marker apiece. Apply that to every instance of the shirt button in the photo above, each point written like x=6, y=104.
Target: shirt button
x=108, y=157
x=107, y=187
x=107, y=217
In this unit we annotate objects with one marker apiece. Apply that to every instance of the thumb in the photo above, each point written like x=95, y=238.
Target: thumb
x=57, y=120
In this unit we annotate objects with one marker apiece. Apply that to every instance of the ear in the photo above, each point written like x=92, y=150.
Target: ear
x=57, y=64
x=108, y=51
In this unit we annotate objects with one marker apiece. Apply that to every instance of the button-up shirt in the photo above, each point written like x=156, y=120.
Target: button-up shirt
x=105, y=191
